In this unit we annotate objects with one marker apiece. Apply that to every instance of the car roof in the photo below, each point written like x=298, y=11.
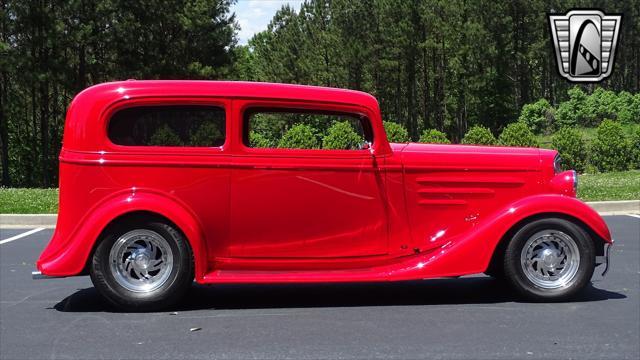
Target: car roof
x=82, y=126
x=230, y=89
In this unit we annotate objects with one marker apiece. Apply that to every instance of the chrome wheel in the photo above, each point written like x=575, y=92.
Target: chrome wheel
x=141, y=260
x=550, y=259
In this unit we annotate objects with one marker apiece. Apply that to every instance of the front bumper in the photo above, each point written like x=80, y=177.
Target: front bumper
x=605, y=259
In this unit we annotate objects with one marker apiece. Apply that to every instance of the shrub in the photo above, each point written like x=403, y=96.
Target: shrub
x=635, y=109
x=207, y=134
x=571, y=112
x=600, y=105
x=433, y=136
x=300, y=136
x=566, y=115
x=341, y=136
x=625, y=115
x=622, y=106
x=538, y=116
x=590, y=169
x=396, y=132
x=635, y=144
x=628, y=108
x=479, y=135
x=165, y=136
x=258, y=140
x=610, y=150
x=517, y=134
x=572, y=148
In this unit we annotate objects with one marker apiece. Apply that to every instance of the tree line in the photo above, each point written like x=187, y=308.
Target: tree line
x=51, y=50
x=432, y=64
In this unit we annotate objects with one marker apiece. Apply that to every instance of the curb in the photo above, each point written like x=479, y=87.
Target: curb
x=616, y=207
x=28, y=220
x=49, y=220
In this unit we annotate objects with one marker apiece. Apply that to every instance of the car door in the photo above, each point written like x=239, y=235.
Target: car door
x=303, y=203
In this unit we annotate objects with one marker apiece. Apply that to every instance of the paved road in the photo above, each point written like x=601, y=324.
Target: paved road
x=471, y=318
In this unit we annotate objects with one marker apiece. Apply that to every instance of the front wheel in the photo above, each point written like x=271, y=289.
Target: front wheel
x=549, y=260
x=142, y=266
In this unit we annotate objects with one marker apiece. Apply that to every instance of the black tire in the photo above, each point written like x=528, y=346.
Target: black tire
x=180, y=275
x=514, y=269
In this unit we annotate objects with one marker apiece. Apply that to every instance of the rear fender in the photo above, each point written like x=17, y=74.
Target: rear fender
x=68, y=256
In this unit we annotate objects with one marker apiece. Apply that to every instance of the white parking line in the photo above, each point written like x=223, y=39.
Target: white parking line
x=634, y=215
x=21, y=235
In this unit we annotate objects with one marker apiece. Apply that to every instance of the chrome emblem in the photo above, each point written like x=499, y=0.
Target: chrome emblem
x=585, y=43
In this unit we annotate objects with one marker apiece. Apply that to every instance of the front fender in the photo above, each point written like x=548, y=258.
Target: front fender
x=66, y=255
x=471, y=251
x=570, y=206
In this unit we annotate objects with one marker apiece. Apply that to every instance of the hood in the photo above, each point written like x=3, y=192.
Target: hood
x=469, y=157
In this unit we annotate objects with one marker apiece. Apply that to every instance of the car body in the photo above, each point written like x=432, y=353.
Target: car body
x=382, y=212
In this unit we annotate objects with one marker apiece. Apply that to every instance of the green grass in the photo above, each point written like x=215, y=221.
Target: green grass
x=623, y=185
x=28, y=201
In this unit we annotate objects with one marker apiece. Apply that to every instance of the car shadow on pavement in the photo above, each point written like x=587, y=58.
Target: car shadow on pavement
x=473, y=290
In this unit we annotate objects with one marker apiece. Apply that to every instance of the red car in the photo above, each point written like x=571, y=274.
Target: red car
x=164, y=182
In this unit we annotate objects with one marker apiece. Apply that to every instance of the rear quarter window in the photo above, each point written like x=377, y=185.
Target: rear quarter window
x=177, y=126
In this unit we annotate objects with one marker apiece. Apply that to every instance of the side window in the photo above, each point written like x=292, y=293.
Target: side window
x=202, y=126
x=302, y=129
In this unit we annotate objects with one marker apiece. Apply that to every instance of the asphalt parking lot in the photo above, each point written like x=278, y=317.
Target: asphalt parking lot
x=470, y=318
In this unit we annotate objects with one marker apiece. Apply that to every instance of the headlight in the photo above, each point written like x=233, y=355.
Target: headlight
x=565, y=183
x=557, y=164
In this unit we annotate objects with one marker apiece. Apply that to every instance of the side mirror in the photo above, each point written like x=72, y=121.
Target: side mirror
x=366, y=145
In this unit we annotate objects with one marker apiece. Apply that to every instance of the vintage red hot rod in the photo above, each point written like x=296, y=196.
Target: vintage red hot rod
x=164, y=182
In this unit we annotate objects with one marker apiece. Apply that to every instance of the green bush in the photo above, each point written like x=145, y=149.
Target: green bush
x=610, y=150
x=396, y=132
x=341, y=136
x=590, y=110
x=258, y=140
x=571, y=112
x=538, y=116
x=622, y=106
x=600, y=105
x=566, y=115
x=628, y=108
x=479, y=135
x=433, y=136
x=207, y=134
x=165, y=136
x=635, y=144
x=635, y=109
x=300, y=136
x=517, y=134
x=571, y=147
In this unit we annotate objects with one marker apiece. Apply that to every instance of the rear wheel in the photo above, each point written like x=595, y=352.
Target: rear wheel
x=143, y=266
x=549, y=260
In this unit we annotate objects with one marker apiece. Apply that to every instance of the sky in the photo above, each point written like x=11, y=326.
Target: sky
x=254, y=15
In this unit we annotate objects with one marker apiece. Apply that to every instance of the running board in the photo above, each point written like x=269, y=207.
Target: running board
x=257, y=277
x=411, y=268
